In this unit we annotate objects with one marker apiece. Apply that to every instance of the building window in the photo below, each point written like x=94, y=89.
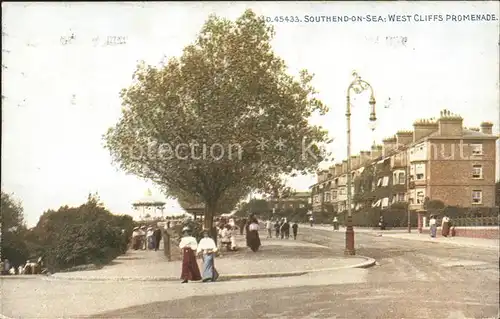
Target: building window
x=420, y=197
x=477, y=171
x=477, y=197
x=379, y=182
x=334, y=195
x=402, y=178
x=342, y=191
x=385, y=181
x=385, y=202
x=476, y=149
x=401, y=197
x=420, y=171
x=327, y=197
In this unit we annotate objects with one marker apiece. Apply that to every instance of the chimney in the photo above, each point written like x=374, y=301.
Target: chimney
x=487, y=128
x=450, y=124
x=355, y=162
x=331, y=170
x=364, y=157
x=344, y=166
x=338, y=169
x=404, y=138
x=376, y=151
x=423, y=128
x=389, y=145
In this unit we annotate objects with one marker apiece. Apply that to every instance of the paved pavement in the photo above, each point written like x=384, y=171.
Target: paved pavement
x=413, y=279
x=493, y=244
x=275, y=258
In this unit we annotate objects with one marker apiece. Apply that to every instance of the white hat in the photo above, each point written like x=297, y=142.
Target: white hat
x=185, y=229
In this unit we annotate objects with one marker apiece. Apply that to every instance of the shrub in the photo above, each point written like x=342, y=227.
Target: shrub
x=88, y=234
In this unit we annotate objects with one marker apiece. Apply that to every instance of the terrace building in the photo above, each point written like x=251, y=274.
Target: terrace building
x=438, y=160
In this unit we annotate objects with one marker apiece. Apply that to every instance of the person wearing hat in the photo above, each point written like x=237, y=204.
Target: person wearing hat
x=207, y=248
x=142, y=236
x=149, y=238
x=135, y=238
x=188, y=245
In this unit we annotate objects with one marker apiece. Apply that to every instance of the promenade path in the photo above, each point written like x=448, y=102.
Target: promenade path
x=275, y=258
x=490, y=244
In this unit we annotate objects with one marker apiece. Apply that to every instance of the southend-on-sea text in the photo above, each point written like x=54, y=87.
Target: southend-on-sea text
x=382, y=18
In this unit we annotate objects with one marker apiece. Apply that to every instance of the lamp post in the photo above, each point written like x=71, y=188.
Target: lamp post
x=357, y=86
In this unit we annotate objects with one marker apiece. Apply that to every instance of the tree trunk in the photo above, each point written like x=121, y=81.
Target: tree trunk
x=208, y=222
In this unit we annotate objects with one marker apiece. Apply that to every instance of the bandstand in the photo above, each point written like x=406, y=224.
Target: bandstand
x=149, y=205
x=197, y=210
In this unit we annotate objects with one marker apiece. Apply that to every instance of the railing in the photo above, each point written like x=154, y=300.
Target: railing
x=475, y=221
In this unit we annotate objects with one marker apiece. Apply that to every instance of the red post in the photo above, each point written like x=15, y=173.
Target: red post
x=349, y=238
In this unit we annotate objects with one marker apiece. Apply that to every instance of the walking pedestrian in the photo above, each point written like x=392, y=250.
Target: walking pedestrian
x=432, y=226
x=225, y=237
x=157, y=238
x=253, y=239
x=188, y=246
x=149, y=239
x=207, y=249
x=311, y=221
x=282, y=232
x=335, y=223
x=269, y=227
x=381, y=223
x=142, y=236
x=136, y=238
x=445, y=226
x=277, y=228
x=233, y=237
x=286, y=229
x=295, y=228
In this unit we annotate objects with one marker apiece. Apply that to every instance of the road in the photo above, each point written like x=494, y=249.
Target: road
x=413, y=279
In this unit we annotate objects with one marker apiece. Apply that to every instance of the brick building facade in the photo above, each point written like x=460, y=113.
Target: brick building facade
x=439, y=160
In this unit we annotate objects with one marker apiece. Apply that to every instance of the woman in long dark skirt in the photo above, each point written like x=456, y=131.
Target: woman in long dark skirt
x=188, y=246
x=253, y=239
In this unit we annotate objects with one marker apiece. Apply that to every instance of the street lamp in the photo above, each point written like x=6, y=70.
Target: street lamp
x=357, y=86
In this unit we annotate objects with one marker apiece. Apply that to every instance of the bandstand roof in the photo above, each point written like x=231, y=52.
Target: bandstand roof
x=149, y=200
x=195, y=209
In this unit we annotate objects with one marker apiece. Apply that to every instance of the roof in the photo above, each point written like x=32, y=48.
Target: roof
x=301, y=194
x=149, y=200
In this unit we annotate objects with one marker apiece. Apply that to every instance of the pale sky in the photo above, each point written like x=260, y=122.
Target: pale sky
x=62, y=98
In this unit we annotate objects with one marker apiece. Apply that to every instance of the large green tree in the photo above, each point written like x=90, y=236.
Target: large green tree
x=222, y=119
x=13, y=230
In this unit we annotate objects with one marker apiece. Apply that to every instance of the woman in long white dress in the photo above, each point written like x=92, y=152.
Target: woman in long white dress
x=207, y=248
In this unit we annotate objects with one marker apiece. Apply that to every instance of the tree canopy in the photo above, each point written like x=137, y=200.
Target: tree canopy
x=13, y=229
x=220, y=120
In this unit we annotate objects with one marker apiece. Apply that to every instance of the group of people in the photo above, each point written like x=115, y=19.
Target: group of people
x=281, y=229
x=206, y=249
x=445, y=226
x=146, y=238
x=29, y=268
x=227, y=234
